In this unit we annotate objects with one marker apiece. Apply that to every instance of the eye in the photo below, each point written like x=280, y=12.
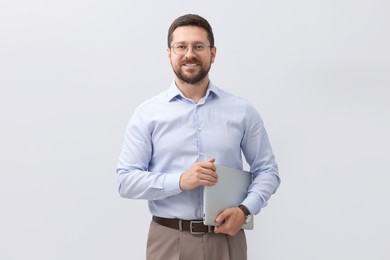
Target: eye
x=199, y=46
x=180, y=46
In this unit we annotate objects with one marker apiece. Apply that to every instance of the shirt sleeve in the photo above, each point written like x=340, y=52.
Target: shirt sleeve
x=134, y=179
x=258, y=153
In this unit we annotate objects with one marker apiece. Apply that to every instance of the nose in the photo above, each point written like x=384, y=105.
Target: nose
x=190, y=52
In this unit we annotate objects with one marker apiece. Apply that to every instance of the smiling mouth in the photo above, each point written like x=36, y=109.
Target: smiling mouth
x=190, y=64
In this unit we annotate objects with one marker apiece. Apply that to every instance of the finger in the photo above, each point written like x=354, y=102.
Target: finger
x=208, y=165
x=210, y=172
x=212, y=160
x=208, y=183
x=219, y=229
x=221, y=217
x=209, y=178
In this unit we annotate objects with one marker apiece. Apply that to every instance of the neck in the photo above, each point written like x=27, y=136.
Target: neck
x=193, y=91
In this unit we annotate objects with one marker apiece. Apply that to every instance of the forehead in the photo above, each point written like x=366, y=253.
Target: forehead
x=189, y=34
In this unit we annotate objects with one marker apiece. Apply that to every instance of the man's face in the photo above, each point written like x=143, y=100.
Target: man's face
x=193, y=66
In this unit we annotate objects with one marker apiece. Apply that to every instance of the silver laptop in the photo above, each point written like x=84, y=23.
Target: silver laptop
x=230, y=191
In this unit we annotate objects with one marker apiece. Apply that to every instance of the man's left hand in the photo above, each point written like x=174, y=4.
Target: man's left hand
x=233, y=219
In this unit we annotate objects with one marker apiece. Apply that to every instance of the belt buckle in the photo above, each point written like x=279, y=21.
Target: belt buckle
x=191, y=226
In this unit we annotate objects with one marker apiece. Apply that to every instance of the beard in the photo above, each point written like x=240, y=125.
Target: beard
x=193, y=79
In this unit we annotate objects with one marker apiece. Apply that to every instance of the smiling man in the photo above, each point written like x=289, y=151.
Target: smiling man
x=171, y=146
x=191, y=62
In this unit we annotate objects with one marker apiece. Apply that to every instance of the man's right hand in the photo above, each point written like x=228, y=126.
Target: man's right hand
x=200, y=174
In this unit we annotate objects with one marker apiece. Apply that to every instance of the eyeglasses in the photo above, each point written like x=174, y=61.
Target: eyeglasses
x=181, y=48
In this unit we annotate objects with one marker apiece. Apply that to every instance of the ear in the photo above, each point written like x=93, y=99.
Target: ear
x=213, y=54
x=169, y=53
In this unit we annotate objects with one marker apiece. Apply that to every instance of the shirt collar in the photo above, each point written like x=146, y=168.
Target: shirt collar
x=174, y=92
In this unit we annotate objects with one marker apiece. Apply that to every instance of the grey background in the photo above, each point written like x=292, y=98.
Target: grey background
x=72, y=73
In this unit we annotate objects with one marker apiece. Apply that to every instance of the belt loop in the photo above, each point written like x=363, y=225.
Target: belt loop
x=210, y=229
x=180, y=225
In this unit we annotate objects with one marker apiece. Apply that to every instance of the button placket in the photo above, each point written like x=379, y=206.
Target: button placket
x=198, y=133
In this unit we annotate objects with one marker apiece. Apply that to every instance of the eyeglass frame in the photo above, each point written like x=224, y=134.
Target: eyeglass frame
x=192, y=46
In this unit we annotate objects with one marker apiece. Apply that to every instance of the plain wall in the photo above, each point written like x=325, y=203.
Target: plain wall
x=72, y=72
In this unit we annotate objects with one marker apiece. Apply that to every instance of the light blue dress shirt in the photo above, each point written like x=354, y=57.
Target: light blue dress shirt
x=169, y=133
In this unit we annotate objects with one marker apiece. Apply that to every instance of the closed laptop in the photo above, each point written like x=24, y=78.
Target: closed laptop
x=230, y=191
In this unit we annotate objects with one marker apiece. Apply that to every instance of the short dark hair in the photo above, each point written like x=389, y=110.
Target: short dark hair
x=191, y=20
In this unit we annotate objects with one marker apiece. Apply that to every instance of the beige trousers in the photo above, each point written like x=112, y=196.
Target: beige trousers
x=170, y=244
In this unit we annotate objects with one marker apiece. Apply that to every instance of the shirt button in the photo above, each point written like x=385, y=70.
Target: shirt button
x=199, y=129
x=200, y=154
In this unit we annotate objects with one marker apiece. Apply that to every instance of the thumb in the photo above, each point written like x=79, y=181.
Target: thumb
x=220, y=218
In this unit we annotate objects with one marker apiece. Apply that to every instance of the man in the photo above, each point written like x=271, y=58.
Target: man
x=173, y=142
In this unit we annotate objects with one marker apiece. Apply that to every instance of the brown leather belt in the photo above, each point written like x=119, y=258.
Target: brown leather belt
x=195, y=227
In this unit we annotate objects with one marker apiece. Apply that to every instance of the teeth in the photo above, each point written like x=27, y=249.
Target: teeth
x=191, y=65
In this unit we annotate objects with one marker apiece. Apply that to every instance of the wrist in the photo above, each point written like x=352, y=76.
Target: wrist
x=247, y=214
x=244, y=209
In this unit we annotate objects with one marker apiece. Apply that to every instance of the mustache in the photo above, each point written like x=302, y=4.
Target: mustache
x=192, y=60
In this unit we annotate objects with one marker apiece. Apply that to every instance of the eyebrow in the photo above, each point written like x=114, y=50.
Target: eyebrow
x=195, y=42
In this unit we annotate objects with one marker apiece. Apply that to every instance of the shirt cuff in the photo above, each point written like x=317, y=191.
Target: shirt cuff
x=172, y=184
x=254, y=203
